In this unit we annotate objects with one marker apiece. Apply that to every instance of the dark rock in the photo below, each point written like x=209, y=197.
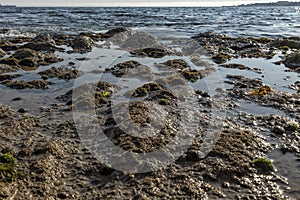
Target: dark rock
x=50, y=58
x=9, y=77
x=22, y=110
x=122, y=68
x=177, y=63
x=2, y=53
x=60, y=73
x=37, y=84
x=278, y=130
x=62, y=39
x=95, y=36
x=29, y=62
x=264, y=166
x=7, y=68
x=82, y=44
x=8, y=46
x=40, y=46
x=44, y=38
x=286, y=42
x=193, y=155
x=236, y=66
x=26, y=53
x=115, y=31
x=221, y=58
x=293, y=61
x=9, y=61
x=152, y=52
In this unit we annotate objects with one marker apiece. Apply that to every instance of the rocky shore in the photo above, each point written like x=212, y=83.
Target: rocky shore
x=43, y=155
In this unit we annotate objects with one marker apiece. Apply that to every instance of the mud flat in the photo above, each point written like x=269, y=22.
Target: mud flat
x=241, y=103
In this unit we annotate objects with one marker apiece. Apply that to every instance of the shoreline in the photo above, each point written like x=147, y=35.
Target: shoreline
x=52, y=159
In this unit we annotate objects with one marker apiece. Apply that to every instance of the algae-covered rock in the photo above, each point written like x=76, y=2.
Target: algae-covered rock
x=264, y=165
x=60, y=73
x=152, y=52
x=292, y=61
x=7, y=68
x=9, y=61
x=116, y=31
x=82, y=44
x=286, y=42
x=37, y=84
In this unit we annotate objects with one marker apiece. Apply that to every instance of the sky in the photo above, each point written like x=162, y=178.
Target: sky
x=129, y=2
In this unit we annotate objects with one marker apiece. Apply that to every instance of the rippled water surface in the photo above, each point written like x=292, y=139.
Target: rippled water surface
x=235, y=21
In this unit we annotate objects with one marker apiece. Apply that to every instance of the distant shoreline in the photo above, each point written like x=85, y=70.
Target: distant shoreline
x=278, y=3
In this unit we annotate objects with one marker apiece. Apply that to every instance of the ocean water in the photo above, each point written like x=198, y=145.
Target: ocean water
x=235, y=21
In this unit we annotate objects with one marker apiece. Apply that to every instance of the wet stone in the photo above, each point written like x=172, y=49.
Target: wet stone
x=152, y=52
x=60, y=73
x=37, y=84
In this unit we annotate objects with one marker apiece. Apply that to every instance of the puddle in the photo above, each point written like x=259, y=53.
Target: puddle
x=254, y=109
x=288, y=166
x=273, y=75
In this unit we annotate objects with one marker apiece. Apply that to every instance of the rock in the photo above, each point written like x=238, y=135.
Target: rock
x=236, y=66
x=264, y=165
x=286, y=42
x=7, y=68
x=22, y=110
x=293, y=61
x=28, y=62
x=152, y=52
x=2, y=53
x=44, y=38
x=31, y=58
x=62, y=39
x=221, y=58
x=115, y=31
x=26, y=53
x=37, y=84
x=223, y=47
x=178, y=64
x=278, y=130
x=140, y=40
x=193, y=155
x=40, y=46
x=94, y=36
x=60, y=73
x=8, y=46
x=9, y=77
x=82, y=44
x=131, y=69
x=9, y=61
x=50, y=58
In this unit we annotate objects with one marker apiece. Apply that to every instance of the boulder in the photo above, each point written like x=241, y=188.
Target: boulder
x=82, y=44
x=140, y=40
x=287, y=42
x=116, y=31
x=26, y=53
x=292, y=61
x=7, y=68
x=44, y=38
x=7, y=46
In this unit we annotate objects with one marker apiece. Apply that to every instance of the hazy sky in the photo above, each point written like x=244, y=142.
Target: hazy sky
x=129, y=3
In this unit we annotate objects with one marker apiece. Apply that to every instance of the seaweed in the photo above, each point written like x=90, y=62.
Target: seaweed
x=292, y=126
x=264, y=165
x=261, y=91
x=8, y=171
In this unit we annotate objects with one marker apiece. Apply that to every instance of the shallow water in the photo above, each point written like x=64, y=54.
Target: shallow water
x=234, y=21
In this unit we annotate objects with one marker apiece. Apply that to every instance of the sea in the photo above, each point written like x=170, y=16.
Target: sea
x=236, y=21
